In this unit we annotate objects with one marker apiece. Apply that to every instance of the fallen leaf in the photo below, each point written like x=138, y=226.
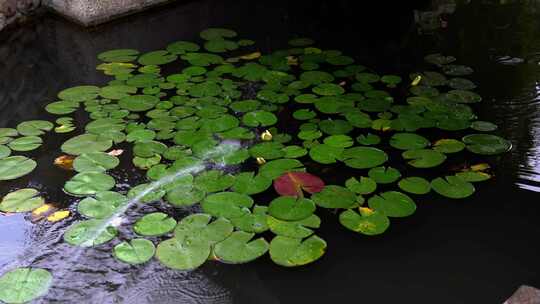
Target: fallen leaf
x=254, y=55
x=41, y=210
x=116, y=152
x=58, y=216
x=64, y=162
x=480, y=167
x=293, y=183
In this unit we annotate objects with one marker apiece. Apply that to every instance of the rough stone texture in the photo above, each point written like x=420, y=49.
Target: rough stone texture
x=525, y=295
x=12, y=11
x=92, y=12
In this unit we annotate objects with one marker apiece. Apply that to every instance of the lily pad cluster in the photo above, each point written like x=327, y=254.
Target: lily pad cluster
x=217, y=131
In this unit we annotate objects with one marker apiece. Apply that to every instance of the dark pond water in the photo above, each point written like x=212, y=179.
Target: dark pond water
x=477, y=250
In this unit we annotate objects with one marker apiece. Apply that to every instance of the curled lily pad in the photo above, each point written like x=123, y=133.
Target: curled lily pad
x=486, y=144
x=136, y=251
x=289, y=208
x=23, y=285
x=239, y=248
x=393, y=204
x=452, y=187
x=21, y=200
x=369, y=223
x=415, y=185
x=13, y=167
x=424, y=158
x=88, y=183
x=292, y=252
x=89, y=233
x=333, y=196
x=153, y=224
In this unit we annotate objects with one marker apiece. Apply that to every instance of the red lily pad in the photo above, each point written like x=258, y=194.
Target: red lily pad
x=293, y=183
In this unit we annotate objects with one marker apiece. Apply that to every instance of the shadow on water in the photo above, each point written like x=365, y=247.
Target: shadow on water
x=477, y=250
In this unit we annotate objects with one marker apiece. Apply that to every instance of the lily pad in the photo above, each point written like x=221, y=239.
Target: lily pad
x=292, y=252
x=86, y=143
x=21, y=200
x=154, y=224
x=408, y=141
x=259, y=118
x=34, y=127
x=424, y=158
x=102, y=206
x=88, y=183
x=288, y=208
x=227, y=204
x=415, y=185
x=333, y=196
x=393, y=204
x=295, y=229
x=13, y=167
x=486, y=144
x=95, y=162
x=384, y=175
x=325, y=154
x=448, y=146
x=23, y=285
x=275, y=168
x=138, y=103
x=364, y=185
x=249, y=183
x=239, y=248
x=452, y=187
x=25, y=143
x=364, y=157
x=136, y=251
x=372, y=223
x=157, y=58
x=89, y=233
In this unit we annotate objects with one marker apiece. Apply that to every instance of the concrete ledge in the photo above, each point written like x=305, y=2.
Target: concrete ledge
x=93, y=12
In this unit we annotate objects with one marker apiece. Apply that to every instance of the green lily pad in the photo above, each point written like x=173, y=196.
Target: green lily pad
x=325, y=154
x=26, y=143
x=328, y=89
x=415, y=185
x=227, y=204
x=294, y=229
x=150, y=196
x=384, y=175
x=95, y=162
x=154, y=224
x=79, y=93
x=461, y=84
x=4, y=151
x=424, y=158
x=141, y=135
x=102, y=206
x=136, y=251
x=364, y=157
x=483, y=126
x=486, y=144
x=156, y=58
x=217, y=33
x=288, y=208
x=339, y=141
x=365, y=185
x=335, y=126
x=138, y=103
x=62, y=107
x=259, y=118
x=249, y=183
x=316, y=77
x=274, y=169
x=448, y=146
x=292, y=252
x=304, y=114
x=408, y=141
x=88, y=183
x=182, y=47
x=252, y=222
x=393, y=204
x=89, y=233
x=86, y=143
x=214, y=181
x=118, y=55
x=13, y=167
x=239, y=248
x=373, y=223
x=368, y=139
x=333, y=196
x=438, y=59
x=21, y=200
x=473, y=176
x=23, y=285
x=180, y=254
x=34, y=127
x=452, y=187
x=198, y=226
x=267, y=150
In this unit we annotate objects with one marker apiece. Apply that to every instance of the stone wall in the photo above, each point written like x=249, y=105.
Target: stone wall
x=12, y=11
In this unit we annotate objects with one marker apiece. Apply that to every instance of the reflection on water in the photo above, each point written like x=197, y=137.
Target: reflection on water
x=421, y=258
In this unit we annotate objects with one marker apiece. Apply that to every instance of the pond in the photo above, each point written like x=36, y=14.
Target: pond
x=203, y=111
